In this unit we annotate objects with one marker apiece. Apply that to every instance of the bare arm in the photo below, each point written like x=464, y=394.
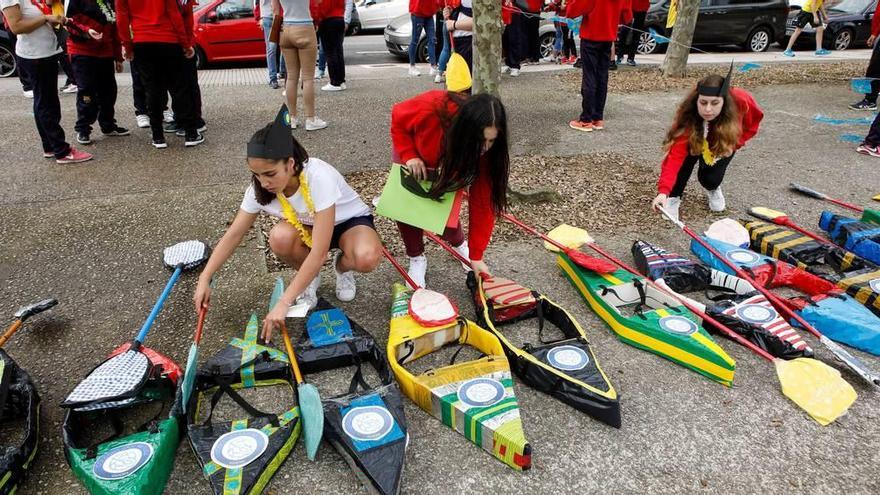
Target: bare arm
x=224, y=249
x=19, y=25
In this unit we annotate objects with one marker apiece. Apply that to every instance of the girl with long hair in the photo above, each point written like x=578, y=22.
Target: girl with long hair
x=711, y=124
x=462, y=141
x=319, y=211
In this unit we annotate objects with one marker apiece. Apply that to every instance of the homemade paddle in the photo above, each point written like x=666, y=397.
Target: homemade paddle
x=807, y=382
x=23, y=314
x=780, y=218
x=427, y=307
x=192, y=360
x=851, y=361
x=122, y=376
x=580, y=258
x=868, y=215
x=309, y=399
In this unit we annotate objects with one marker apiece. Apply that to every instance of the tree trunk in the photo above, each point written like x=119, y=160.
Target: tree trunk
x=487, y=46
x=675, y=63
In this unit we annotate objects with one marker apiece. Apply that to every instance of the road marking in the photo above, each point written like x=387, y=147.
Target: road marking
x=373, y=52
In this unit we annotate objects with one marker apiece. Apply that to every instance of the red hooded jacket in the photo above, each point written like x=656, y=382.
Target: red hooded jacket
x=424, y=8
x=154, y=21
x=750, y=116
x=325, y=9
x=601, y=17
x=875, y=22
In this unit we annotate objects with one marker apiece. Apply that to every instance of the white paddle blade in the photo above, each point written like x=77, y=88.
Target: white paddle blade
x=816, y=388
x=120, y=375
x=730, y=231
x=430, y=309
x=569, y=236
x=187, y=254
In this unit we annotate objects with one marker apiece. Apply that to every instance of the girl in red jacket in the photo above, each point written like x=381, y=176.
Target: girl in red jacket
x=711, y=124
x=463, y=139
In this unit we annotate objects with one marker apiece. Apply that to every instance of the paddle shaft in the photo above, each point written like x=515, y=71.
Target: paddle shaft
x=203, y=312
x=291, y=356
x=400, y=268
x=9, y=332
x=158, y=306
x=816, y=194
x=533, y=231
x=787, y=222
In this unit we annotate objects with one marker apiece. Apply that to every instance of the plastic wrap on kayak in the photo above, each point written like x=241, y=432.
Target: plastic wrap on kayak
x=567, y=368
x=20, y=400
x=859, y=329
x=861, y=238
x=681, y=274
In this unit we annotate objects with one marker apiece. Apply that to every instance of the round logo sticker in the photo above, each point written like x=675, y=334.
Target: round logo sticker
x=367, y=423
x=287, y=117
x=568, y=358
x=678, y=325
x=755, y=313
x=742, y=256
x=874, y=285
x=122, y=461
x=481, y=392
x=239, y=448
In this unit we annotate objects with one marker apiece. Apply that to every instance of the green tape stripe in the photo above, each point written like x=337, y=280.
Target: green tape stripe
x=473, y=429
x=274, y=353
x=211, y=468
x=232, y=480
x=250, y=352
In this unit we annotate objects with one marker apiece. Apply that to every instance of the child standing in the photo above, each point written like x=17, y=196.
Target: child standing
x=812, y=13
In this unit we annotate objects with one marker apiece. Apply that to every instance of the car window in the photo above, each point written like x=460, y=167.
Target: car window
x=852, y=6
x=235, y=9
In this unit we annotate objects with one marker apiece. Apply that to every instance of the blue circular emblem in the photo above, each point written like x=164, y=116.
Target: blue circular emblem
x=239, y=448
x=367, y=423
x=742, y=256
x=755, y=313
x=286, y=117
x=123, y=461
x=568, y=358
x=481, y=392
x=678, y=325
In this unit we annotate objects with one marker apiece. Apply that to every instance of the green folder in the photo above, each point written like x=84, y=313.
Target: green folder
x=398, y=203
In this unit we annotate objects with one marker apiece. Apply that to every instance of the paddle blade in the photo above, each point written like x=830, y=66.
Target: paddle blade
x=806, y=191
x=730, y=231
x=313, y=417
x=569, y=236
x=815, y=387
x=591, y=263
x=189, y=376
x=767, y=214
x=26, y=312
x=877, y=197
x=187, y=254
x=277, y=292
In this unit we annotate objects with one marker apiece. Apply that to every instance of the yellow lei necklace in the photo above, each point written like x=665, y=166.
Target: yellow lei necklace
x=708, y=156
x=290, y=215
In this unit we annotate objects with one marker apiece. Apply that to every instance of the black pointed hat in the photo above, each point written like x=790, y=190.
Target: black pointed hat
x=276, y=142
x=722, y=90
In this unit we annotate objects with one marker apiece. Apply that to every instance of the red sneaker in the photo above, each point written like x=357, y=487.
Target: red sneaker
x=581, y=126
x=598, y=125
x=74, y=156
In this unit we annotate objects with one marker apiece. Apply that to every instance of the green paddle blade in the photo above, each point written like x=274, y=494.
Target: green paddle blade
x=313, y=417
x=815, y=387
x=189, y=376
x=872, y=216
x=277, y=292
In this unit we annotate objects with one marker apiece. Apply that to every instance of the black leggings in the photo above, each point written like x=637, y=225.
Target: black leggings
x=710, y=176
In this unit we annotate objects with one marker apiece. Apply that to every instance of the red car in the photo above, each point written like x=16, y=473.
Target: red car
x=226, y=31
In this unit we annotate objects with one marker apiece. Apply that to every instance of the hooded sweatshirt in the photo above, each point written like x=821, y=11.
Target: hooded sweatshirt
x=154, y=21
x=601, y=17
x=100, y=16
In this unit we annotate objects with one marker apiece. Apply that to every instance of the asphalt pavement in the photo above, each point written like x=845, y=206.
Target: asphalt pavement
x=92, y=234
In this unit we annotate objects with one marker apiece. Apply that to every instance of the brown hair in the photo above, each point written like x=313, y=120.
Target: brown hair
x=724, y=131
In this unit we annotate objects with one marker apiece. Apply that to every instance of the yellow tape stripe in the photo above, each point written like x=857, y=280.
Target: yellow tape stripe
x=865, y=277
x=611, y=278
x=770, y=238
x=785, y=245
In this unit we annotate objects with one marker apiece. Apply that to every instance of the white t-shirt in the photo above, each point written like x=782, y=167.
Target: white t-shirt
x=39, y=43
x=458, y=33
x=326, y=187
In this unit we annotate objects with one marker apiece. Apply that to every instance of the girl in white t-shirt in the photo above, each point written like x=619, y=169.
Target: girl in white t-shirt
x=319, y=212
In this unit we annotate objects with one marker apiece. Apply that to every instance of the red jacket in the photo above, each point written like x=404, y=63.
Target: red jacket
x=750, y=116
x=325, y=9
x=875, y=22
x=417, y=132
x=641, y=5
x=83, y=15
x=154, y=21
x=535, y=5
x=601, y=17
x=424, y=8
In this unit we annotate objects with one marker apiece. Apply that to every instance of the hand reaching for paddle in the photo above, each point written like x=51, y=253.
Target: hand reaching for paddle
x=480, y=267
x=202, y=297
x=659, y=202
x=274, y=319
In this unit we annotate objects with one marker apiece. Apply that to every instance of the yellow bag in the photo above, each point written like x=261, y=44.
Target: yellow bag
x=458, y=75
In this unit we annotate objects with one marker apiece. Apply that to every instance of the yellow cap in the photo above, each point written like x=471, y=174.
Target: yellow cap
x=458, y=75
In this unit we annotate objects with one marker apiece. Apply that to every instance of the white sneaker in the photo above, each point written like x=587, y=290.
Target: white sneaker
x=672, y=207
x=505, y=69
x=310, y=295
x=465, y=253
x=413, y=71
x=331, y=87
x=418, y=266
x=315, y=124
x=319, y=74
x=716, y=200
x=284, y=93
x=433, y=71
x=69, y=89
x=346, y=288
x=168, y=116
x=295, y=122
x=143, y=121
x=514, y=72
x=439, y=78
x=28, y=94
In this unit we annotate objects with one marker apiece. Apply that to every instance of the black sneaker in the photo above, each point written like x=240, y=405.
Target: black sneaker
x=182, y=133
x=273, y=84
x=864, y=105
x=194, y=139
x=619, y=60
x=118, y=131
x=579, y=63
x=171, y=127
x=83, y=138
x=159, y=143
x=612, y=65
x=631, y=62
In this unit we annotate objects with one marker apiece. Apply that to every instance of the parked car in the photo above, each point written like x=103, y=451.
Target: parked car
x=849, y=25
x=752, y=24
x=398, y=34
x=7, y=54
x=376, y=14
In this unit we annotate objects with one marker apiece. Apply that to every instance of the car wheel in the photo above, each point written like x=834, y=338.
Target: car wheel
x=201, y=59
x=647, y=44
x=7, y=61
x=547, y=41
x=843, y=39
x=759, y=39
x=422, y=51
x=354, y=29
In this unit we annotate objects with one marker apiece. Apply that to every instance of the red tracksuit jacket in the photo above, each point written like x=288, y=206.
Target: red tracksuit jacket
x=154, y=21
x=601, y=17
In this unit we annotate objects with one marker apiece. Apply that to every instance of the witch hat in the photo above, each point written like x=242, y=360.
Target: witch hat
x=277, y=142
x=722, y=90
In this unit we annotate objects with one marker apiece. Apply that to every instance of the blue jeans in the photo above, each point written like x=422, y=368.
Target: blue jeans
x=322, y=57
x=417, y=24
x=272, y=53
x=557, y=43
x=446, y=52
